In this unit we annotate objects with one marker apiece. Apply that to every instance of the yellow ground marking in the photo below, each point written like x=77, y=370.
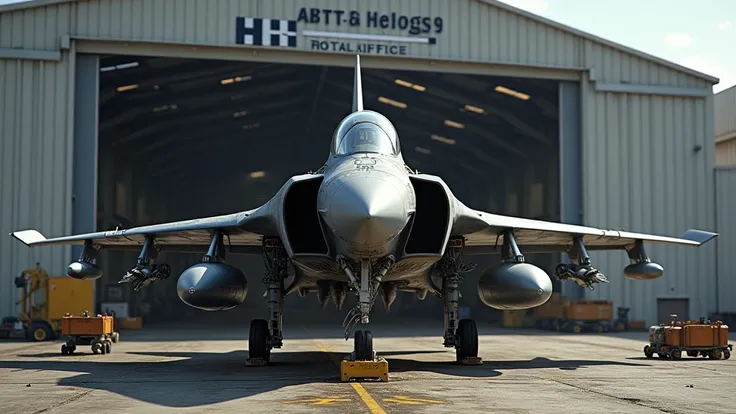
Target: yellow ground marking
x=362, y=393
x=403, y=399
x=318, y=401
x=367, y=399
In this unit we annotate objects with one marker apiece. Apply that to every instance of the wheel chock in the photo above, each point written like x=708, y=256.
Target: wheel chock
x=471, y=361
x=255, y=362
x=376, y=369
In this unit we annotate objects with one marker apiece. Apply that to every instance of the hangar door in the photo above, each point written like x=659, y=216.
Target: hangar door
x=183, y=138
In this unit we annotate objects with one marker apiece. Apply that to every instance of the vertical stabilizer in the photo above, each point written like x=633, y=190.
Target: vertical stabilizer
x=357, y=87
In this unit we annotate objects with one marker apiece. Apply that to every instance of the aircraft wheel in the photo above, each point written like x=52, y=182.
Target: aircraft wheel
x=467, y=339
x=258, y=340
x=363, y=345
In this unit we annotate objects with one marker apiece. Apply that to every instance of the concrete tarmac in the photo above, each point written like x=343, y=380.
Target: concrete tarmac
x=183, y=369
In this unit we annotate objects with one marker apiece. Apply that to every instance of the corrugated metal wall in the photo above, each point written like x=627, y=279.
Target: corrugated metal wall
x=35, y=165
x=726, y=201
x=653, y=135
x=642, y=174
x=725, y=112
x=726, y=152
x=506, y=37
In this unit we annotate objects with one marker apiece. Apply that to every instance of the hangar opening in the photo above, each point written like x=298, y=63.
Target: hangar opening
x=181, y=138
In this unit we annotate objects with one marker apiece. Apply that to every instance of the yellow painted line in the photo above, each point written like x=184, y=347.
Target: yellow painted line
x=362, y=393
x=403, y=399
x=367, y=399
x=317, y=401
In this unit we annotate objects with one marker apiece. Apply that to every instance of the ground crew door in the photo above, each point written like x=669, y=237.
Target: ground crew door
x=666, y=307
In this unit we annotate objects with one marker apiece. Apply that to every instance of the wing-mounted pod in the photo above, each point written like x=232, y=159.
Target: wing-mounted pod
x=513, y=284
x=641, y=267
x=86, y=267
x=580, y=268
x=213, y=285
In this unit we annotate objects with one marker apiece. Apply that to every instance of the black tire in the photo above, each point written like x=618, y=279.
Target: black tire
x=40, y=331
x=726, y=354
x=64, y=350
x=467, y=339
x=108, y=348
x=258, y=340
x=363, y=345
x=648, y=351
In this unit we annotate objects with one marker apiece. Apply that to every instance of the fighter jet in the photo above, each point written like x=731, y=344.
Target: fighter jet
x=364, y=223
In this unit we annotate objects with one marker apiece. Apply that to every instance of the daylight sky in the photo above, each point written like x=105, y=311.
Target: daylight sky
x=699, y=34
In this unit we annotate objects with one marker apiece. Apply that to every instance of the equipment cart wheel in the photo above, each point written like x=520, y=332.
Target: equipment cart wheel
x=599, y=329
x=577, y=328
x=675, y=354
x=726, y=354
x=258, y=340
x=108, y=348
x=648, y=351
x=64, y=350
x=716, y=354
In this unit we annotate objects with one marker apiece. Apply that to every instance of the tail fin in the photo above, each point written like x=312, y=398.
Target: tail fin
x=357, y=87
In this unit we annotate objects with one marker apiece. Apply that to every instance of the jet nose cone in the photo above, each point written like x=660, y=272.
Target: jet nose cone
x=367, y=210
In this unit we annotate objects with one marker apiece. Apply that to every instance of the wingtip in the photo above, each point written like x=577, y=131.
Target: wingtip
x=28, y=237
x=699, y=236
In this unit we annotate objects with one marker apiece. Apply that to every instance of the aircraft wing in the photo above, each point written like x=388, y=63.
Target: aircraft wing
x=240, y=229
x=482, y=229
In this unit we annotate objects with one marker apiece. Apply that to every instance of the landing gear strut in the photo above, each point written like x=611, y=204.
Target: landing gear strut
x=265, y=334
x=462, y=334
x=368, y=287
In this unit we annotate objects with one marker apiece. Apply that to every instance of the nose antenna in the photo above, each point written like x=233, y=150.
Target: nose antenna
x=357, y=87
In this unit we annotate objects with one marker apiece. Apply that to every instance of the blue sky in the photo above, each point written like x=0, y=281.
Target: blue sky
x=699, y=34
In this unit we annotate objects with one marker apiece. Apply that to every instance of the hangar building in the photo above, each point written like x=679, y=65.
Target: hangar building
x=725, y=128
x=131, y=112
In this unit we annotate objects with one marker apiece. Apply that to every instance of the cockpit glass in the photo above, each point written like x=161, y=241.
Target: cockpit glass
x=366, y=137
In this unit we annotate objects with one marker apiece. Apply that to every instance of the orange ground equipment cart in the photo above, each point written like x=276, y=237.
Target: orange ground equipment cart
x=95, y=331
x=696, y=338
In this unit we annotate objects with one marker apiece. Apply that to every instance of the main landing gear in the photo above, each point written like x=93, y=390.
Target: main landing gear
x=267, y=334
x=462, y=334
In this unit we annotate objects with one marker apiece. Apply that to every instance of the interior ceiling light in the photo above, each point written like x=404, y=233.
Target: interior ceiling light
x=391, y=102
x=475, y=109
x=257, y=174
x=422, y=150
x=240, y=113
x=127, y=88
x=512, y=92
x=119, y=67
x=442, y=139
x=251, y=126
x=454, y=124
x=406, y=84
x=235, y=79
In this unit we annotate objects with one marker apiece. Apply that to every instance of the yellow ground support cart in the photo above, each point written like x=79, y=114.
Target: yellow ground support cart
x=41, y=320
x=95, y=331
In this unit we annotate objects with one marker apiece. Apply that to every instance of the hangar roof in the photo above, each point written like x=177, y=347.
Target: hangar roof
x=497, y=4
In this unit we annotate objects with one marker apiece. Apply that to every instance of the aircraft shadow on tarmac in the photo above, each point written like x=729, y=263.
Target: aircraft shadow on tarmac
x=194, y=379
